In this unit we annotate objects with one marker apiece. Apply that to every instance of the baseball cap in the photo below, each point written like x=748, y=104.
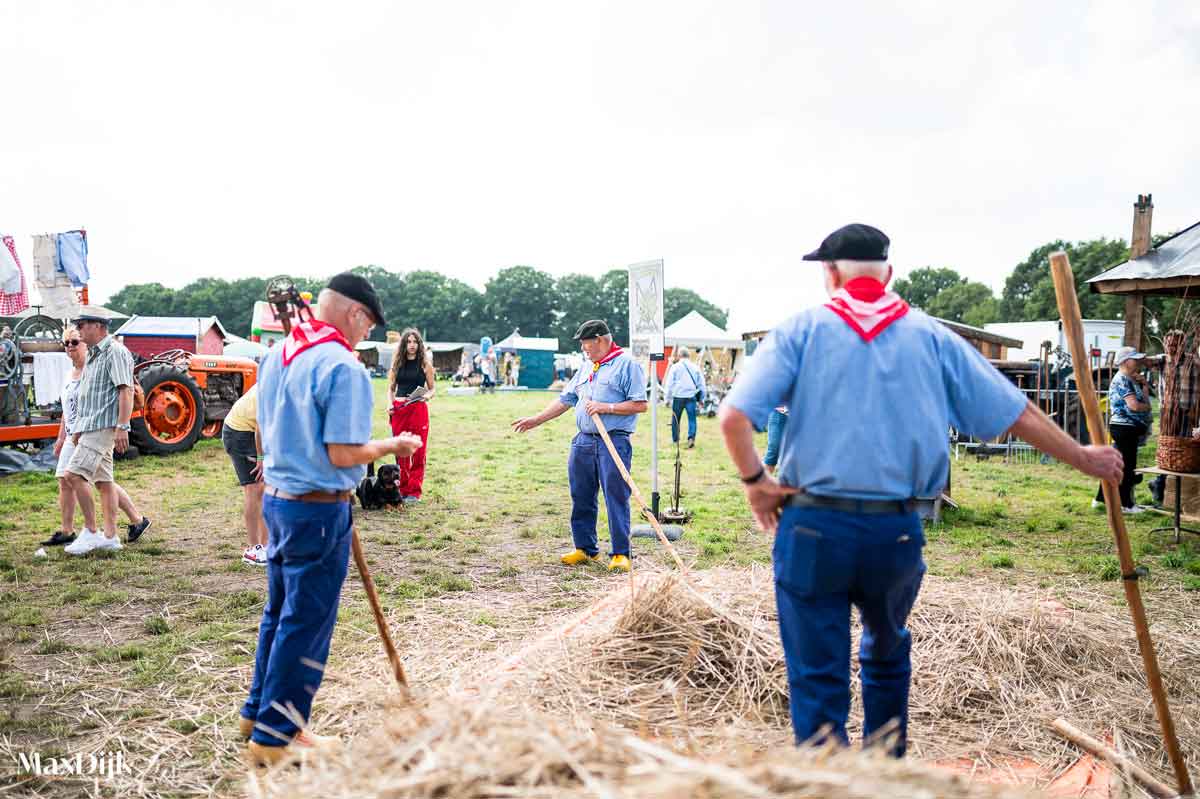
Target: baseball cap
x=856, y=242
x=1128, y=354
x=359, y=289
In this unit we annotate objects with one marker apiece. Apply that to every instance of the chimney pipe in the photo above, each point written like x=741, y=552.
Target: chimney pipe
x=1139, y=242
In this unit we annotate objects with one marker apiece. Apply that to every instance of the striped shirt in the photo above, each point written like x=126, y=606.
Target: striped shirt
x=109, y=366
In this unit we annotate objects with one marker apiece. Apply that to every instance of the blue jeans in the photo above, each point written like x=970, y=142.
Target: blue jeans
x=678, y=406
x=307, y=558
x=826, y=561
x=776, y=423
x=590, y=467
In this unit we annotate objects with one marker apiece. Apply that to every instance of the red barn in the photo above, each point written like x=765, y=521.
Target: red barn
x=147, y=336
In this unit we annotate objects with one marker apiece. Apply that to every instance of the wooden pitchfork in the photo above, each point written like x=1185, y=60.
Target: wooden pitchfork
x=279, y=297
x=1068, y=309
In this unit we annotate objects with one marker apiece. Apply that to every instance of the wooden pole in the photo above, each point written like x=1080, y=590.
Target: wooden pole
x=1068, y=308
x=1098, y=748
x=360, y=561
x=637, y=494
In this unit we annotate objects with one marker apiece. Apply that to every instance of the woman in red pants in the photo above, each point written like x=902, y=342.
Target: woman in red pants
x=411, y=369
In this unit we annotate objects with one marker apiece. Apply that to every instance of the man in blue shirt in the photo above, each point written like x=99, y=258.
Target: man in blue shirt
x=314, y=416
x=611, y=386
x=684, y=386
x=872, y=388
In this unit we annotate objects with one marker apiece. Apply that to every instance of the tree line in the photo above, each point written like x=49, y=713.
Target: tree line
x=443, y=308
x=1028, y=293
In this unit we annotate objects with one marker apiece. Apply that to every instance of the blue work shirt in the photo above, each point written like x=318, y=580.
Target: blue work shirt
x=684, y=381
x=1120, y=388
x=322, y=397
x=870, y=420
x=618, y=380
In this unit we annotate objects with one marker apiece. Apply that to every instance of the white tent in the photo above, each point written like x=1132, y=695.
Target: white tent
x=694, y=330
x=516, y=342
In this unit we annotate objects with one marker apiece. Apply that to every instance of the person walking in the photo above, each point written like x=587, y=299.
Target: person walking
x=684, y=387
x=104, y=405
x=64, y=449
x=612, y=387
x=239, y=436
x=411, y=369
x=314, y=418
x=1129, y=422
x=863, y=454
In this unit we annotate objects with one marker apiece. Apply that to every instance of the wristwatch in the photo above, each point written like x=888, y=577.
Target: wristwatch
x=124, y=427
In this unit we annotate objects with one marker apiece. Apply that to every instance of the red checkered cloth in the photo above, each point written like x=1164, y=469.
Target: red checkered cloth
x=13, y=304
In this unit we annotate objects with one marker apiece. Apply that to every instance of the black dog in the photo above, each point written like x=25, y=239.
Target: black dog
x=382, y=490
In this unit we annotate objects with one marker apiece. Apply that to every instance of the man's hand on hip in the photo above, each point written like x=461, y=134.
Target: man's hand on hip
x=1103, y=462
x=766, y=496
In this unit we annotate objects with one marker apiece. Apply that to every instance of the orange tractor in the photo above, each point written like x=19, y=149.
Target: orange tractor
x=179, y=396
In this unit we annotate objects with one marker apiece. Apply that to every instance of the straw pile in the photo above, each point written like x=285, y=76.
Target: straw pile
x=992, y=667
x=470, y=751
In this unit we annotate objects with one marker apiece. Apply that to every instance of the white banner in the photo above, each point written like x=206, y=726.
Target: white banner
x=646, y=309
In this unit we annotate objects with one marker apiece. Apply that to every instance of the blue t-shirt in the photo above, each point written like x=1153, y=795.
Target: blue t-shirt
x=618, y=380
x=871, y=420
x=322, y=397
x=1121, y=387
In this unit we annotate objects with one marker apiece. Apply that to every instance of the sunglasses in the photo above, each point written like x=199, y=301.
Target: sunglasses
x=72, y=342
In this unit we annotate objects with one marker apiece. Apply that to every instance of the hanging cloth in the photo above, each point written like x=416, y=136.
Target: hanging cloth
x=57, y=293
x=12, y=302
x=71, y=252
x=865, y=305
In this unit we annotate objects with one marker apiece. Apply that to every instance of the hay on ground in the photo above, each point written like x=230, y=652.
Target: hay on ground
x=455, y=748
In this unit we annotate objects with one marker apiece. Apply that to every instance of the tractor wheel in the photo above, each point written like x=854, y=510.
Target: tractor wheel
x=212, y=429
x=174, y=411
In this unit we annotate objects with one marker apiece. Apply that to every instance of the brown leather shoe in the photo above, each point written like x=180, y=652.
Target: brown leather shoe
x=305, y=743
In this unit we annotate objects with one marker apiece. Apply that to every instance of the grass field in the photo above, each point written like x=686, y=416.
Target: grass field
x=149, y=650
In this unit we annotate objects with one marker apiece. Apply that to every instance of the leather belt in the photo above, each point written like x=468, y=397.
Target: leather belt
x=868, y=506
x=328, y=497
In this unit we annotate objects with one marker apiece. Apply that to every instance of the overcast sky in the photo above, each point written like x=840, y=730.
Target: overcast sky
x=240, y=138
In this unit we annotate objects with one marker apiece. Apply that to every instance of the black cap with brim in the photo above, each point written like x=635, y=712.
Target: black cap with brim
x=855, y=242
x=86, y=316
x=592, y=328
x=359, y=289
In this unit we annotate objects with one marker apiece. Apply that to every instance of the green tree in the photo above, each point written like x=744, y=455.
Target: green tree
x=442, y=308
x=678, y=303
x=969, y=303
x=144, y=299
x=922, y=285
x=1029, y=291
x=614, y=303
x=520, y=297
x=578, y=299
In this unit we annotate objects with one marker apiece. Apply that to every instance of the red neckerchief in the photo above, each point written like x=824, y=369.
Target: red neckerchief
x=310, y=334
x=866, y=305
x=614, y=352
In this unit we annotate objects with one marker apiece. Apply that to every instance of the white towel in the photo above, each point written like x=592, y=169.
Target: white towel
x=50, y=373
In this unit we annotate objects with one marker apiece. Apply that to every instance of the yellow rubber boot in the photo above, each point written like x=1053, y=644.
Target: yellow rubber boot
x=305, y=742
x=619, y=563
x=577, y=556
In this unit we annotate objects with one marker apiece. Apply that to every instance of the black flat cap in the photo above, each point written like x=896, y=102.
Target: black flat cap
x=90, y=316
x=359, y=289
x=852, y=243
x=592, y=328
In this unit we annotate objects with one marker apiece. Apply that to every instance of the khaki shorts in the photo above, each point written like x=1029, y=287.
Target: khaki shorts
x=93, y=456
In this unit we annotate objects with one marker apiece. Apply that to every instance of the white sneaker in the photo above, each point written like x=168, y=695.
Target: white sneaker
x=1097, y=504
x=107, y=544
x=255, y=555
x=1134, y=510
x=84, y=543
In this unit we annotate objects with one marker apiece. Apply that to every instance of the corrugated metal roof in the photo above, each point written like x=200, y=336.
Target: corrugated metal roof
x=1178, y=256
x=180, y=326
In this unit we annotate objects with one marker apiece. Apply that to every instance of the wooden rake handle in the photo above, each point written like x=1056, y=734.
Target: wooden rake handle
x=612, y=450
x=1068, y=309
